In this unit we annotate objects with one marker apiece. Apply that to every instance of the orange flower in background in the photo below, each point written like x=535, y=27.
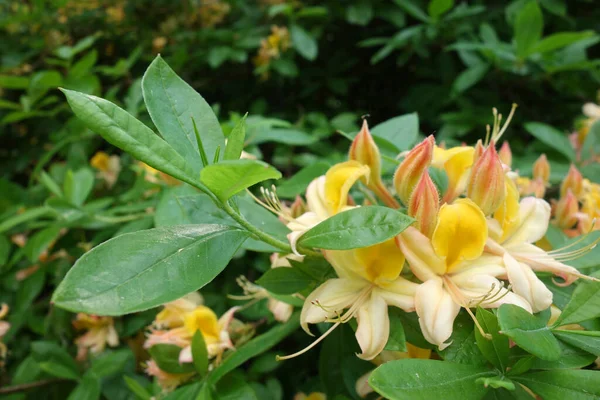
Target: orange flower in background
x=100, y=332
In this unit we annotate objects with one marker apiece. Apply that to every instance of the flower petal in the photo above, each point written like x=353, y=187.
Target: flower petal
x=419, y=253
x=338, y=181
x=436, y=311
x=332, y=297
x=534, y=215
x=373, y=327
x=526, y=284
x=400, y=293
x=315, y=197
x=488, y=292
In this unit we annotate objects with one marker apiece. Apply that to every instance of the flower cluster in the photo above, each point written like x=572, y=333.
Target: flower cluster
x=176, y=324
x=472, y=243
x=271, y=48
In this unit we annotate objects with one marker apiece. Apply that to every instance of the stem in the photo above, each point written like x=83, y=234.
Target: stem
x=265, y=237
x=26, y=386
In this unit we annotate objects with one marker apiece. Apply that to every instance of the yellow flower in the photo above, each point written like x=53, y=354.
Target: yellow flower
x=368, y=282
x=100, y=331
x=453, y=270
x=4, y=327
x=108, y=167
x=456, y=162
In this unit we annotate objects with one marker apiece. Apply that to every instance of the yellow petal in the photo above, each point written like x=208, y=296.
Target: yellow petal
x=338, y=181
x=456, y=162
x=373, y=328
x=423, y=261
x=381, y=263
x=204, y=320
x=508, y=212
x=460, y=234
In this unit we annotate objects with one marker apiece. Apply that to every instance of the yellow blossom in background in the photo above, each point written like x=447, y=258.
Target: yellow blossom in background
x=153, y=175
x=4, y=327
x=311, y=396
x=166, y=380
x=108, y=167
x=212, y=13
x=100, y=332
x=271, y=48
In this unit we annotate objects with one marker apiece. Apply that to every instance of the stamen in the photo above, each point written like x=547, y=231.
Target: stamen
x=507, y=122
x=459, y=298
x=271, y=203
x=310, y=346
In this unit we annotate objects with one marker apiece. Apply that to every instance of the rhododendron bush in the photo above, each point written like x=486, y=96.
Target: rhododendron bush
x=412, y=268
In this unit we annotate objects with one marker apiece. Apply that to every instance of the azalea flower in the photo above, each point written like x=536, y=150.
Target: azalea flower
x=166, y=380
x=454, y=273
x=515, y=228
x=100, y=332
x=4, y=327
x=368, y=282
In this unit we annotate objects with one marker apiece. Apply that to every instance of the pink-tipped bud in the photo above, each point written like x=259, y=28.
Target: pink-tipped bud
x=505, y=154
x=424, y=205
x=537, y=188
x=486, y=183
x=414, y=165
x=365, y=151
x=541, y=169
x=479, y=149
x=573, y=181
x=565, y=211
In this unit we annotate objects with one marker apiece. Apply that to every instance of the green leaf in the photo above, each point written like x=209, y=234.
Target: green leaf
x=570, y=357
x=167, y=359
x=228, y=178
x=529, y=332
x=25, y=216
x=124, y=131
x=297, y=184
x=469, y=77
x=559, y=40
x=54, y=360
x=356, y=228
x=172, y=104
x=585, y=340
x=437, y=8
x=551, y=137
x=292, y=137
x=40, y=242
x=87, y=389
x=235, y=141
x=141, y=270
x=397, y=338
x=496, y=349
x=200, y=354
x=360, y=13
x=563, y=384
x=401, y=131
x=413, y=379
x=137, y=388
x=78, y=185
x=584, y=304
x=528, y=28
x=412, y=9
x=254, y=347
x=284, y=280
x=14, y=82
x=589, y=260
x=304, y=43
x=110, y=363
x=496, y=382
x=463, y=348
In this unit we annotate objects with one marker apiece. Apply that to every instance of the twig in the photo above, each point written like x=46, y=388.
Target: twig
x=31, y=385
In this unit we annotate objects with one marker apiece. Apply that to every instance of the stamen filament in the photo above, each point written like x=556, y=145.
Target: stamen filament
x=310, y=346
x=459, y=298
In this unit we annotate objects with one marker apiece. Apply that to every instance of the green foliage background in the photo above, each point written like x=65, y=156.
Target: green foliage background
x=448, y=62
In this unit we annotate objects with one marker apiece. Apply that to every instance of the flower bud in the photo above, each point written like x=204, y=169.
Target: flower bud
x=486, y=183
x=537, y=188
x=573, y=181
x=541, y=169
x=479, y=149
x=565, y=212
x=424, y=205
x=365, y=151
x=505, y=154
x=414, y=165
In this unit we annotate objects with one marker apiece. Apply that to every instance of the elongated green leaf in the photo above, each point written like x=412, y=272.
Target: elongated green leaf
x=563, y=384
x=235, y=141
x=87, y=389
x=119, y=128
x=40, y=242
x=254, y=347
x=437, y=8
x=200, y=353
x=144, y=269
x=172, y=104
x=528, y=332
x=25, y=216
x=570, y=357
x=496, y=349
x=397, y=339
x=469, y=77
x=355, y=228
x=78, y=185
x=428, y=379
x=304, y=43
x=463, y=349
x=54, y=360
x=584, y=304
x=528, y=28
x=559, y=40
x=284, y=280
x=137, y=388
x=551, y=137
x=585, y=340
x=413, y=9
x=228, y=178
